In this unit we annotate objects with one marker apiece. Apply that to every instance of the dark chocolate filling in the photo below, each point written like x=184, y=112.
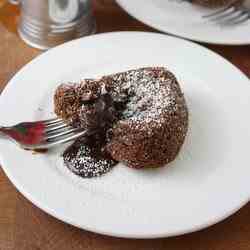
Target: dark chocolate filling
x=86, y=156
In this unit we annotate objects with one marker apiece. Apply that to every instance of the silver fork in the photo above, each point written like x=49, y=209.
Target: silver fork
x=233, y=14
x=42, y=134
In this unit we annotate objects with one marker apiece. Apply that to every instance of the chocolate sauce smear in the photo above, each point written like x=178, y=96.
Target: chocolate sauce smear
x=86, y=157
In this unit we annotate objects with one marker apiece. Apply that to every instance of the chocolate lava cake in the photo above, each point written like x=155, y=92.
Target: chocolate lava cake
x=142, y=114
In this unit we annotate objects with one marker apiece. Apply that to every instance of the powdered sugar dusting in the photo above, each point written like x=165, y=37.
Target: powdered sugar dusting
x=150, y=93
x=86, y=158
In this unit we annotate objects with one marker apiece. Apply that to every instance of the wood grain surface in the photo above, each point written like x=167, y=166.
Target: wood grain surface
x=25, y=227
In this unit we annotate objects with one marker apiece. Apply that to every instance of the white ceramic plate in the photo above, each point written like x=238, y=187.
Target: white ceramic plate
x=206, y=183
x=181, y=18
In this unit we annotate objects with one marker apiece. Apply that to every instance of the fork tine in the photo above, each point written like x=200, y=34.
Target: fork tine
x=237, y=17
x=247, y=17
x=54, y=123
x=223, y=16
x=51, y=121
x=61, y=137
x=70, y=137
x=63, y=133
x=64, y=139
x=218, y=12
x=57, y=130
x=56, y=127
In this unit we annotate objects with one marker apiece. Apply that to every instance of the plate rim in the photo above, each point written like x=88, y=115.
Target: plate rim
x=62, y=217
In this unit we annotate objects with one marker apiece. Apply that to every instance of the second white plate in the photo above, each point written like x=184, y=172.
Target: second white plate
x=181, y=18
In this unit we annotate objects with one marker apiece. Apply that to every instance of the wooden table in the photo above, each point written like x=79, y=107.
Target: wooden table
x=25, y=227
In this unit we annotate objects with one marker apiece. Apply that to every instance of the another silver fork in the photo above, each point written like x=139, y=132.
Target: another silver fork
x=42, y=134
x=233, y=14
